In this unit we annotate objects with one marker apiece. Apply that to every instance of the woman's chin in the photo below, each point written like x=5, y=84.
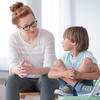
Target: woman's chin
x=32, y=33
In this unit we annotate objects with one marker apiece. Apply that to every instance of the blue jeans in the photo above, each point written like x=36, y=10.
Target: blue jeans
x=62, y=83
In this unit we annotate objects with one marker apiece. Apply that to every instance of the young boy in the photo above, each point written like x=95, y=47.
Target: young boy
x=76, y=43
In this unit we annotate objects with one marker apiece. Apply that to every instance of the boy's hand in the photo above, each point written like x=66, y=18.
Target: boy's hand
x=75, y=74
x=69, y=74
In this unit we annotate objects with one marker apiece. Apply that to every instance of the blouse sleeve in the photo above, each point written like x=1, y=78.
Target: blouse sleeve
x=13, y=53
x=49, y=55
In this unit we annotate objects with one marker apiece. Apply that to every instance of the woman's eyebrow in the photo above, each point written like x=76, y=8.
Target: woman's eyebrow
x=28, y=24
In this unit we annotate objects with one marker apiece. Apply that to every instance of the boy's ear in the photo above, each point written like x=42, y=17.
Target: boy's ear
x=73, y=43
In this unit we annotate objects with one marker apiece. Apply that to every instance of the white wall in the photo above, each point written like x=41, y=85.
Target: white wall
x=87, y=13
x=55, y=18
x=36, y=7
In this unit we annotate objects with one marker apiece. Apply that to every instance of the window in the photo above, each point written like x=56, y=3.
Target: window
x=56, y=18
x=50, y=19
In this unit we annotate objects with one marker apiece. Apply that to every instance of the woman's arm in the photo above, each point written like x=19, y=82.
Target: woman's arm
x=49, y=54
x=13, y=55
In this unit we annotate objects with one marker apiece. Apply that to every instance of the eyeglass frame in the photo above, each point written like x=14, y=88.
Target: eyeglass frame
x=28, y=26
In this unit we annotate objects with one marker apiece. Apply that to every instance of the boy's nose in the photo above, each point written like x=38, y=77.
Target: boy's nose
x=62, y=42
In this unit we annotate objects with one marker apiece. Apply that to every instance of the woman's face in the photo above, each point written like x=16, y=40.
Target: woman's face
x=28, y=25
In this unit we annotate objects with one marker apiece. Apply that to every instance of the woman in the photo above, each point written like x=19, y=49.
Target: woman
x=31, y=55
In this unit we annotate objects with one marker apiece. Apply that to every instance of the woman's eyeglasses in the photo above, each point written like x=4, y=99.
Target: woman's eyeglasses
x=33, y=24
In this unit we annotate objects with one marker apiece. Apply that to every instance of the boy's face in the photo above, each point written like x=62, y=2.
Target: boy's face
x=67, y=45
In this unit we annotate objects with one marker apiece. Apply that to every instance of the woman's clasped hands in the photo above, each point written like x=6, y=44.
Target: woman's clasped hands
x=24, y=69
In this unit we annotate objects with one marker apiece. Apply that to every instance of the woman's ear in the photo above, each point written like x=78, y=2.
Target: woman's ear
x=18, y=26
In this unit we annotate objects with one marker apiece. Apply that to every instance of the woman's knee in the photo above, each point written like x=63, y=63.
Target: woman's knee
x=44, y=77
x=44, y=80
x=11, y=79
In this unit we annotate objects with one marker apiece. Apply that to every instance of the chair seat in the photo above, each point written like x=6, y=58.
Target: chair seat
x=31, y=95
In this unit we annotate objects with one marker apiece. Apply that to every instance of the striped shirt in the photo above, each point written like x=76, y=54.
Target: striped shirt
x=41, y=53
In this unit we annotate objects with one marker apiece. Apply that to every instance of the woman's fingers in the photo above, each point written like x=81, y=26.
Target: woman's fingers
x=23, y=61
x=24, y=68
x=22, y=71
x=27, y=62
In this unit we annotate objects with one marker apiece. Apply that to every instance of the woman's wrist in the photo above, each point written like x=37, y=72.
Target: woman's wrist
x=13, y=70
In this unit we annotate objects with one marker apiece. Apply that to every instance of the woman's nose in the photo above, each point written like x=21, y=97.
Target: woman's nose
x=31, y=28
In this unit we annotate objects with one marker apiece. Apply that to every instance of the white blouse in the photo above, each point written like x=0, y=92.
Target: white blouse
x=41, y=53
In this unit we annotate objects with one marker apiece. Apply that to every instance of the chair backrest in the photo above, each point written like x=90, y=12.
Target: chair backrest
x=95, y=86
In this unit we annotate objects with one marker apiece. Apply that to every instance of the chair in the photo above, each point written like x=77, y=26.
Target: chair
x=89, y=97
x=31, y=95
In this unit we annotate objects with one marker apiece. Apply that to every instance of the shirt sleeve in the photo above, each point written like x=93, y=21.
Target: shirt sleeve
x=90, y=55
x=63, y=58
x=49, y=55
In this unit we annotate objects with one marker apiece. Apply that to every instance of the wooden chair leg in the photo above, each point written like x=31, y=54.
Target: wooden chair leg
x=22, y=97
x=30, y=98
